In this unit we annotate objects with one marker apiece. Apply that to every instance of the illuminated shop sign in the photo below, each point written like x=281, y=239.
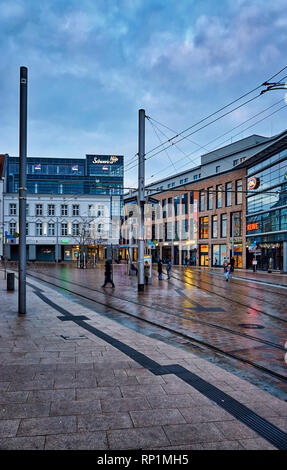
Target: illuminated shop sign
x=252, y=226
x=253, y=183
x=99, y=161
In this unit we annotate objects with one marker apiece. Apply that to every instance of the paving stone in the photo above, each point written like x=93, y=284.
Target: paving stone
x=205, y=414
x=97, y=393
x=138, y=438
x=139, y=390
x=9, y=427
x=256, y=444
x=22, y=443
x=125, y=404
x=27, y=410
x=97, y=422
x=51, y=395
x=75, y=407
x=222, y=445
x=77, y=441
x=168, y=401
x=51, y=425
x=188, y=433
x=13, y=397
x=235, y=430
x=31, y=385
x=156, y=417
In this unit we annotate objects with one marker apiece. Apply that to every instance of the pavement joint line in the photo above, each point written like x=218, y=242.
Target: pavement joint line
x=242, y=413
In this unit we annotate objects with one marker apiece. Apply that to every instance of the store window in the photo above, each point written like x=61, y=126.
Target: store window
x=218, y=255
x=203, y=227
x=203, y=255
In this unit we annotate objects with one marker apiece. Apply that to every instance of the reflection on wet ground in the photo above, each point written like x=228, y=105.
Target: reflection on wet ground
x=195, y=304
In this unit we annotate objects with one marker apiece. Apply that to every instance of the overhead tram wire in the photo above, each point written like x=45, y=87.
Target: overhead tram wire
x=243, y=130
x=222, y=108
x=197, y=130
x=154, y=128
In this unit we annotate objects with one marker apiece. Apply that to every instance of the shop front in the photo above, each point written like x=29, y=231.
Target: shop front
x=45, y=252
x=166, y=254
x=218, y=254
x=203, y=255
x=267, y=254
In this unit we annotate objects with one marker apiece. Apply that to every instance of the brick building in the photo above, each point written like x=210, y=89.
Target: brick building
x=202, y=222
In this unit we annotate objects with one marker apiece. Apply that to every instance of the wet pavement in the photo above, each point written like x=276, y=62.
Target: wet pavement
x=79, y=369
x=240, y=318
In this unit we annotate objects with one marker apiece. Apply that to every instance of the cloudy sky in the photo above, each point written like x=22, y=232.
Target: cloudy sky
x=94, y=63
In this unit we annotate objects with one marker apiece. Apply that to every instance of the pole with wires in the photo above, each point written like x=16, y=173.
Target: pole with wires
x=141, y=201
x=22, y=190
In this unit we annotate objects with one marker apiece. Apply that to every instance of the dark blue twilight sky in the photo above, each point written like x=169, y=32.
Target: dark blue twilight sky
x=94, y=63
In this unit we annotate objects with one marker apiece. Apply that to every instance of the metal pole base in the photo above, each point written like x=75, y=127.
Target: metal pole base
x=140, y=287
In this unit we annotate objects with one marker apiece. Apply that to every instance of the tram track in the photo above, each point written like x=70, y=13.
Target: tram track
x=185, y=336
x=228, y=299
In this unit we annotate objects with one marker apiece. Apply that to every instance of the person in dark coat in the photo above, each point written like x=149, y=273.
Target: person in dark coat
x=108, y=274
x=232, y=263
x=159, y=269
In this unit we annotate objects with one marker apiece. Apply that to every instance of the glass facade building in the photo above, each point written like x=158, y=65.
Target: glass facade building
x=95, y=174
x=266, y=222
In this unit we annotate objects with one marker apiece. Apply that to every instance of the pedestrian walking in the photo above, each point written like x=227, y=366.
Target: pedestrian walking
x=168, y=268
x=232, y=263
x=159, y=269
x=146, y=272
x=108, y=274
x=227, y=272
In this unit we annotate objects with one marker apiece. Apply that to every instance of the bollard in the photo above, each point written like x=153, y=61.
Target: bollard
x=10, y=281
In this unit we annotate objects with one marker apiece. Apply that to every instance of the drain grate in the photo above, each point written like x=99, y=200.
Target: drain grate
x=251, y=326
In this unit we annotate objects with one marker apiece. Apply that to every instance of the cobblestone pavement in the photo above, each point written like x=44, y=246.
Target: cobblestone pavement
x=71, y=378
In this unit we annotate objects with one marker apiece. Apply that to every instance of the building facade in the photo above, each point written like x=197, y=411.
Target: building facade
x=202, y=223
x=73, y=206
x=266, y=209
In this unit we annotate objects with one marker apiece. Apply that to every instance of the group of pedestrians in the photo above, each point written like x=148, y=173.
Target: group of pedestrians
x=159, y=269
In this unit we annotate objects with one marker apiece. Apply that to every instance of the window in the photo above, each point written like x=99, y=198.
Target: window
x=195, y=177
x=203, y=227
x=223, y=225
x=214, y=226
x=64, y=209
x=235, y=162
x=238, y=194
x=201, y=201
x=219, y=196
x=64, y=229
x=228, y=194
x=169, y=207
x=236, y=224
x=27, y=209
x=163, y=208
x=101, y=211
x=39, y=229
x=12, y=209
x=39, y=209
x=100, y=228
x=184, y=204
x=218, y=169
x=51, y=209
x=209, y=198
x=12, y=228
x=75, y=229
x=51, y=229
x=91, y=210
x=27, y=228
x=76, y=210
x=184, y=229
x=176, y=203
x=242, y=159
